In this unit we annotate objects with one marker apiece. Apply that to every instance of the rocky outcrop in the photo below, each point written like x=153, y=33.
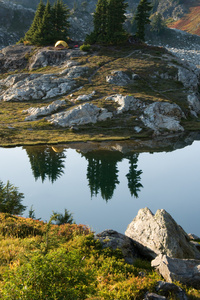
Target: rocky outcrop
x=115, y=240
x=85, y=97
x=35, y=112
x=34, y=87
x=52, y=56
x=156, y=116
x=160, y=234
x=163, y=115
x=80, y=115
x=25, y=87
x=14, y=58
x=186, y=271
x=126, y=103
x=118, y=78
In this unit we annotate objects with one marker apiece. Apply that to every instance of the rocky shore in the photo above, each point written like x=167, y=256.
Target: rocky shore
x=158, y=238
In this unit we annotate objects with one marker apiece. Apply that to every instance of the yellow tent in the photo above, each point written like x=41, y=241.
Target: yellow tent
x=61, y=44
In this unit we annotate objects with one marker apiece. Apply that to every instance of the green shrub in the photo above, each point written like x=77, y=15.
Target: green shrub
x=57, y=275
x=85, y=48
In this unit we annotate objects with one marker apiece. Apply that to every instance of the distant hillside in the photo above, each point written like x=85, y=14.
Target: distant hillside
x=190, y=22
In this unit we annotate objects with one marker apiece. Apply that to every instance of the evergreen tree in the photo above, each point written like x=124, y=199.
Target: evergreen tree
x=116, y=17
x=37, y=21
x=46, y=32
x=49, y=25
x=60, y=14
x=10, y=199
x=157, y=24
x=108, y=22
x=142, y=18
x=99, y=33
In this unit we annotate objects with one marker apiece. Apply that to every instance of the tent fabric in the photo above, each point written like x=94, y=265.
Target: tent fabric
x=61, y=43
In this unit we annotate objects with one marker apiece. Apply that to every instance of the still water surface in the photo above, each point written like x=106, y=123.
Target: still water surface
x=106, y=190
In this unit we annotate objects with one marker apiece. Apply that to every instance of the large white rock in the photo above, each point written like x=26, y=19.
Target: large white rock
x=163, y=115
x=126, y=103
x=160, y=234
x=35, y=112
x=35, y=86
x=80, y=115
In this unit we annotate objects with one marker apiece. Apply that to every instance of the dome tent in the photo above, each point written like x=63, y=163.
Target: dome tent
x=61, y=44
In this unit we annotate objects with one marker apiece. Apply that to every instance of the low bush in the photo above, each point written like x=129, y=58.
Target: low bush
x=85, y=47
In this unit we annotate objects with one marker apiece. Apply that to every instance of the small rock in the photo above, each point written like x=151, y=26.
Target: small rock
x=118, y=78
x=113, y=239
x=186, y=271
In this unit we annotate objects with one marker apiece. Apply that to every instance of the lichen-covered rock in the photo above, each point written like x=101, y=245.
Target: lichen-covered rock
x=35, y=87
x=189, y=76
x=85, y=97
x=126, y=103
x=14, y=58
x=118, y=78
x=115, y=240
x=168, y=289
x=160, y=234
x=35, y=112
x=48, y=57
x=163, y=115
x=25, y=87
x=186, y=271
x=194, y=103
x=80, y=115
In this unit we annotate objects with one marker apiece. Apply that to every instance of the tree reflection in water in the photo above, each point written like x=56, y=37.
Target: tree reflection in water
x=102, y=173
x=102, y=169
x=46, y=162
x=133, y=176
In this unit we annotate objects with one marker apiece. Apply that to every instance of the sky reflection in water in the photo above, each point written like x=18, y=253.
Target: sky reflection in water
x=77, y=182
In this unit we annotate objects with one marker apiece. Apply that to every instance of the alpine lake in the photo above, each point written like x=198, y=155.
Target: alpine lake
x=104, y=185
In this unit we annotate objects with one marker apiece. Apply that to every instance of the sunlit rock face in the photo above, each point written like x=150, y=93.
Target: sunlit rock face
x=160, y=234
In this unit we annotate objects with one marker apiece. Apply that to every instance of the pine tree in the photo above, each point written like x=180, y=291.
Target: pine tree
x=29, y=36
x=60, y=14
x=49, y=25
x=108, y=22
x=99, y=33
x=46, y=33
x=142, y=18
x=116, y=17
x=10, y=199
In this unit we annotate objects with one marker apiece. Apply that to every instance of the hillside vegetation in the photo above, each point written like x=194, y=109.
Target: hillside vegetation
x=190, y=22
x=44, y=261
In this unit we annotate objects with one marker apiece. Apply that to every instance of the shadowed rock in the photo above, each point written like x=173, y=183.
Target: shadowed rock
x=115, y=240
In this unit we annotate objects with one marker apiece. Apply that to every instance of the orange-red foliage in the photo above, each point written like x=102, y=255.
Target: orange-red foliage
x=190, y=22
x=20, y=227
